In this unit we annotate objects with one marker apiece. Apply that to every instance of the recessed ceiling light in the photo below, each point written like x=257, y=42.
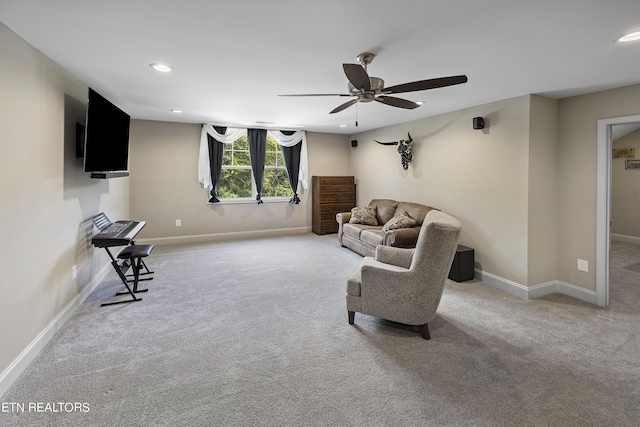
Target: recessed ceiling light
x=175, y=110
x=163, y=68
x=344, y=126
x=630, y=37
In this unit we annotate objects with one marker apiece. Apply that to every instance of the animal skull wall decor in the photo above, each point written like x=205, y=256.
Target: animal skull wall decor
x=404, y=148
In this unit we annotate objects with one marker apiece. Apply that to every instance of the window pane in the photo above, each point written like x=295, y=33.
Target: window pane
x=241, y=158
x=276, y=183
x=236, y=177
x=234, y=183
x=270, y=159
x=241, y=143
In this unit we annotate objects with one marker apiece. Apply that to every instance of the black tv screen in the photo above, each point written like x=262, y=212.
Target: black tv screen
x=106, y=136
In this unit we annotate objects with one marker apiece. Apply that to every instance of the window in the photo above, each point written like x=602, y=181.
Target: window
x=236, y=178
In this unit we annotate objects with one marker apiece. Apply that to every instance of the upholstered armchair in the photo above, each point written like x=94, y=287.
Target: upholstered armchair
x=405, y=285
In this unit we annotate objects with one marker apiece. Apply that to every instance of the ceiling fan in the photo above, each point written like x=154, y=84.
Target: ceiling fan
x=364, y=88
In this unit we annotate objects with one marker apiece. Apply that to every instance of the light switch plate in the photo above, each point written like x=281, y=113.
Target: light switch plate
x=583, y=265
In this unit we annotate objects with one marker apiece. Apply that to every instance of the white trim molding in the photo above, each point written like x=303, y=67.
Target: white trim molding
x=603, y=204
x=625, y=239
x=503, y=284
x=216, y=237
x=536, y=291
x=17, y=367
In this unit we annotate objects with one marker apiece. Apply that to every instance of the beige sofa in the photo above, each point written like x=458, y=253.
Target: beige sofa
x=363, y=239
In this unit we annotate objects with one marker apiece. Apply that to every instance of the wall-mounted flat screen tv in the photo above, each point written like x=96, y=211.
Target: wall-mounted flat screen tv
x=106, y=136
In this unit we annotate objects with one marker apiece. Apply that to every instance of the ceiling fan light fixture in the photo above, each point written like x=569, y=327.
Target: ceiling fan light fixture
x=631, y=37
x=163, y=68
x=364, y=88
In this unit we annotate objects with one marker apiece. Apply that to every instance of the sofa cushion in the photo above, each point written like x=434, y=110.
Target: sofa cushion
x=414, y=210
x=399, y=220
x=372, y=236
x=354, y=230
x=385, y=209
x=364, y=215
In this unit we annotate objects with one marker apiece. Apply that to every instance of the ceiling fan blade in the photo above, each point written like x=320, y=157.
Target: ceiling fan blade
x=357, y=76
x=426, y=84
x=397, y=102
x=319, y=94
x=343, y=106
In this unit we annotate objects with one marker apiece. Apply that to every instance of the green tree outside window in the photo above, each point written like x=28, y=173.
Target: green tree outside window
x=236, y=179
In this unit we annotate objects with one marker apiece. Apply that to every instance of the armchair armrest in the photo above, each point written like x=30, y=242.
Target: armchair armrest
x=400, y=257
x=391, y=292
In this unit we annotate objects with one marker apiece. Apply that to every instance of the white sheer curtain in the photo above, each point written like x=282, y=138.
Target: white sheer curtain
x=204, y=172
x=290, y=141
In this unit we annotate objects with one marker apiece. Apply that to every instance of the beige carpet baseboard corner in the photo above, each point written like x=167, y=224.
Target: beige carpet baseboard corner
x=536, y=291
x=218, y=237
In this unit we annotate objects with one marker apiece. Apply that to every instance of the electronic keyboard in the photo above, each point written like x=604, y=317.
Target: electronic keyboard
x=117, y=233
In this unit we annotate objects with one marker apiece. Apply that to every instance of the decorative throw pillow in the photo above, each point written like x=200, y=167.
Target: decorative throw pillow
x=365, y=215
x=399, y=220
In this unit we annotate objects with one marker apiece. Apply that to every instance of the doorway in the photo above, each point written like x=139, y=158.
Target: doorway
x=603, y=203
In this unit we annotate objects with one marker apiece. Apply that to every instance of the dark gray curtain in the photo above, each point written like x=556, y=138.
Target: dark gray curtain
x=292, y=162
x=216, y=154
x=257, y=151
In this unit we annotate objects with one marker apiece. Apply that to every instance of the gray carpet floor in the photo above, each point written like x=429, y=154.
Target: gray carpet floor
x=255, y=332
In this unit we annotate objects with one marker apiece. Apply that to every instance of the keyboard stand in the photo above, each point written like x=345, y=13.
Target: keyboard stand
x=121, y=270
x=146, y=272
x=123, y=235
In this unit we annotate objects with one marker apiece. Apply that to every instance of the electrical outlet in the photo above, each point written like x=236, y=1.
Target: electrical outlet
x=74, y=272
x=178, y=223
x=583, y=265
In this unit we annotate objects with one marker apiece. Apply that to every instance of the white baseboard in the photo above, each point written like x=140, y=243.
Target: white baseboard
x=502, y=284
x=624, y=238
x=536, y=291
x=11, y=374
x=237, y=235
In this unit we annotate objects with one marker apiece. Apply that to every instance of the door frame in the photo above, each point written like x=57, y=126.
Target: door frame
x=603, y=204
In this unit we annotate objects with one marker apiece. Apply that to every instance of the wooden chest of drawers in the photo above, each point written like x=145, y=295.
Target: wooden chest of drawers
x=331, y=195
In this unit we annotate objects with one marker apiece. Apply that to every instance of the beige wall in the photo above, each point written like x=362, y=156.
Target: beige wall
x=543, y=196
x=46, y=197
x=478, y=176
x=625, y=190
x=577, y=143
x=165, y=187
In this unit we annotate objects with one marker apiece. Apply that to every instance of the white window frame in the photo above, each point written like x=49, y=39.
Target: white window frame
x=254, y=191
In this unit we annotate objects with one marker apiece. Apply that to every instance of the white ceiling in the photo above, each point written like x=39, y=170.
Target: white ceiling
x=232, y=59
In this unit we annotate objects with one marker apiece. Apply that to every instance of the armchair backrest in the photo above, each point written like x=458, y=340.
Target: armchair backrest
x=434, y=252
x=437, y=242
